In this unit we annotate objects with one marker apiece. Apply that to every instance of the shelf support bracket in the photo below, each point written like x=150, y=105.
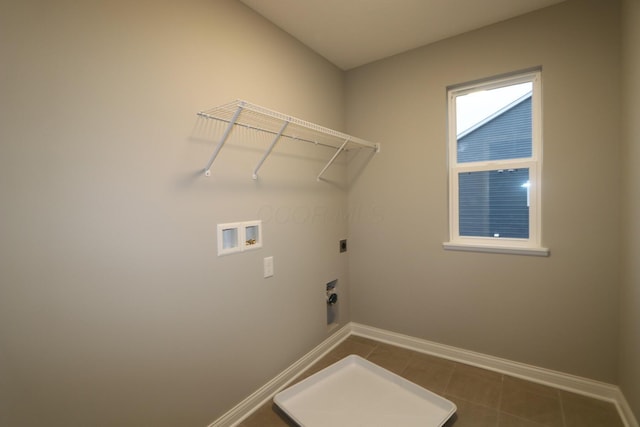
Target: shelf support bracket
x=223, y=139
x=332, y=159
x=266, y=154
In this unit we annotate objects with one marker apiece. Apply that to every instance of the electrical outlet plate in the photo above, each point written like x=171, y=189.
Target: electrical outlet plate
x=268, y=267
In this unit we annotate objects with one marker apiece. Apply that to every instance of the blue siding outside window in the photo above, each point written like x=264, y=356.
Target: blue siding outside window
x=495, y=203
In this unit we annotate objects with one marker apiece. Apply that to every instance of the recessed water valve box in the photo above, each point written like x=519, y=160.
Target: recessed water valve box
x=252, y=234
x=228, y=238
x=236, y=237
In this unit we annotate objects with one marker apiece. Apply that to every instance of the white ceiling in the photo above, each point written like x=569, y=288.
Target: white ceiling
x=350, y=33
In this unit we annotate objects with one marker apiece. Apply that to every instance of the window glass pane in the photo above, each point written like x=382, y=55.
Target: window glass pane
x=494, y=203
x=494, y=124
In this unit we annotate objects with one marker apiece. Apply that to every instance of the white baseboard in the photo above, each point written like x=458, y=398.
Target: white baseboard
x=245, y=408
x=568, y=382
x=596, y=389
x=626, y=413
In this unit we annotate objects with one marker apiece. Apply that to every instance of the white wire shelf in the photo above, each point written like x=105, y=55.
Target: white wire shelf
x=250, y=116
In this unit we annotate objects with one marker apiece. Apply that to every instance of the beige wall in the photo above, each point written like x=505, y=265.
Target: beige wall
x=630, y=296
x=114, y=308
x=559, y=312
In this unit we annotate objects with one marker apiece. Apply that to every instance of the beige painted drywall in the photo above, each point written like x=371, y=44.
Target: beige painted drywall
x=114, y=308
x=559, y=312
x=630, y=296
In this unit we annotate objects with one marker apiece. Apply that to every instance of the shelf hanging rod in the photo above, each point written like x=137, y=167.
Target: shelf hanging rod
x=266, y=154
x=207, y=169
x=332, y=159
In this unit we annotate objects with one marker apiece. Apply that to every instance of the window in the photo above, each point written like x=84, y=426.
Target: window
x=495, y=152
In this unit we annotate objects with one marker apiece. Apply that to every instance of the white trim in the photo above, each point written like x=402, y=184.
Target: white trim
x=628, y=418
x=489, y=83
x=514, y=250
x=254, y=401
x=533, y=163
x=584, y=386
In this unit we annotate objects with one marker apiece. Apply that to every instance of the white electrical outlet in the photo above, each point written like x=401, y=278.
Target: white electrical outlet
x=268, y=267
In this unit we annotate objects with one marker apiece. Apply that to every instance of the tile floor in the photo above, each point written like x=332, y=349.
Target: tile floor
x=484, y=398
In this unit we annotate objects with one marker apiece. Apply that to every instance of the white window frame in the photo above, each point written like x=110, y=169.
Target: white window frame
x=532, y=245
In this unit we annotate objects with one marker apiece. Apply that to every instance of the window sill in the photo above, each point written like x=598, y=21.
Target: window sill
x=514, y=250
